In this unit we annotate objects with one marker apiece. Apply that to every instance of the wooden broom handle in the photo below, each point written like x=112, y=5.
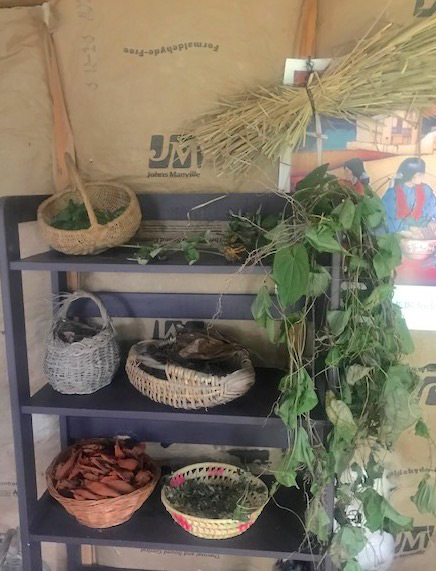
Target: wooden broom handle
x=77, y=182
x=308, y=27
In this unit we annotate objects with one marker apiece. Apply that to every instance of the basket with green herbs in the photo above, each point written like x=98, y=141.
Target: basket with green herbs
x=89, y=218
x=214, y=500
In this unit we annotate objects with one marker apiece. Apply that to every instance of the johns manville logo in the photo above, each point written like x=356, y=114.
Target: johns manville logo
x=168, y=157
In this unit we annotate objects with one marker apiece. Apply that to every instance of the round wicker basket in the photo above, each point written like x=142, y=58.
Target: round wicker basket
x=103, y=513
x=186, y=388
x=98, y=237
x=85, y=366
x=216, y=473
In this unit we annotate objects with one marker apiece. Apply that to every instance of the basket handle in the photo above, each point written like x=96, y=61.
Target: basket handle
x=79, y=294
x=78, y=184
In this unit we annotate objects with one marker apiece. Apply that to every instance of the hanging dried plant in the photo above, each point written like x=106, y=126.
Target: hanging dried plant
x=388, y=71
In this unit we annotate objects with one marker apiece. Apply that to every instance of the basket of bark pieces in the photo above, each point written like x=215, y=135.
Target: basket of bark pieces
x=197, y=369
x=102, y=482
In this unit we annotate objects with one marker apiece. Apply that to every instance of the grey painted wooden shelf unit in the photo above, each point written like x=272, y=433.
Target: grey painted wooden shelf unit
x=120, y=409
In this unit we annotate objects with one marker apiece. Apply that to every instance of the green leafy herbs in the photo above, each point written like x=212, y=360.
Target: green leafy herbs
x=291, y=273
x=75, y=217
x=217, y=500
x=374, y=396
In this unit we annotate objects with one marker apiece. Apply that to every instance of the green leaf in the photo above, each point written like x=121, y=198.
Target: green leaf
x=357, y=264
x=345, y=213
x=302, y=449
x=291, y=273
x=334, y=357
x=374, y=470
x=314, y=178
x=389, y=255
x=340, y=453
x=421, y=429
x=406, y=341
x=286, y=473
x=341, y=417
x=338, y=320
x=380, y=294
x=373, y=210
x=323, y=239
x=352, y=566
x=298, y=399
x=260, y=308
x=355, y=373
x=192, y=255
x=425, y=496
x=373, y=509
x=395, y=522
x=398, y=406
x=347, y=543
x=317, y=520
x=319, y=281
x=271, y=329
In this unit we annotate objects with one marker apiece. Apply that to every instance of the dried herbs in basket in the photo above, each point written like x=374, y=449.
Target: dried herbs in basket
x=214, y=500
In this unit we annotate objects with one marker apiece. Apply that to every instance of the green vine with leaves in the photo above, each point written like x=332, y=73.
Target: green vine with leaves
x=372, y=395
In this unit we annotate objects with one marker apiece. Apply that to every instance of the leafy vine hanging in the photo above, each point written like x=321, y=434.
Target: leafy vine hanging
x=372, y=395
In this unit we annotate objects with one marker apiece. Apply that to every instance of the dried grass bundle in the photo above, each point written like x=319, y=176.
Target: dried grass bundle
x=387, y=71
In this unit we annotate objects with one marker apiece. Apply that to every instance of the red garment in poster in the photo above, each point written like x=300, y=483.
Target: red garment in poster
x=403, y=211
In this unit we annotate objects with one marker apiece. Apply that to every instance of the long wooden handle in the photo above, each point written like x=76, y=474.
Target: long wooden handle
x=308, y=24
x=77, y=182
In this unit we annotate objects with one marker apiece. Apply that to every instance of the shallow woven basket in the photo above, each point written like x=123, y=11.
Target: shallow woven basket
x=215, y=473
x=85, y=366
x=185, y=388
x=101, y=513
x=98, y=237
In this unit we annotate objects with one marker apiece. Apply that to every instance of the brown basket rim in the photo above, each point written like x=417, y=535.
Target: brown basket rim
x=133, y=204
x=95, y=503
x=242, y=353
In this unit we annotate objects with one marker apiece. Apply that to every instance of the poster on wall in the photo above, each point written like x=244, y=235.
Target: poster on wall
x=396, y=156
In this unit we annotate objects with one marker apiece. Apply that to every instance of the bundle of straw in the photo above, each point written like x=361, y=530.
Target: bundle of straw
x=390, y=70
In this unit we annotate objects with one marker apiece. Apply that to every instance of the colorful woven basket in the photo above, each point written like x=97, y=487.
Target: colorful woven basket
x=214, y=473
x=102, y=513
x=186, y=388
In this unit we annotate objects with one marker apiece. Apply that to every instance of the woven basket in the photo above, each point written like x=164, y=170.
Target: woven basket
x=85, y=366
x=185, y=388
x=98, y=237
x=101, y=513
x=215, y=473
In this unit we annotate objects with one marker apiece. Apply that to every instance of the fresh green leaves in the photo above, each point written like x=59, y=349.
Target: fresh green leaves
x=75, y=217
x=373, y=211
x=323, y=239
x=319, y=281
x=338, y=320
x=341, y=417
x=379, y=514
x=344, y=213
x=352, y=566
x=425, y=497
x=388, y=256
x=398, y=404
x=379, y=295
x=347, y=543
x=317, y=520
x=298, y=397
x=291, y=273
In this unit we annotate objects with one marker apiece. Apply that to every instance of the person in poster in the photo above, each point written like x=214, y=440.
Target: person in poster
x=409, y=202
x=355, y=175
